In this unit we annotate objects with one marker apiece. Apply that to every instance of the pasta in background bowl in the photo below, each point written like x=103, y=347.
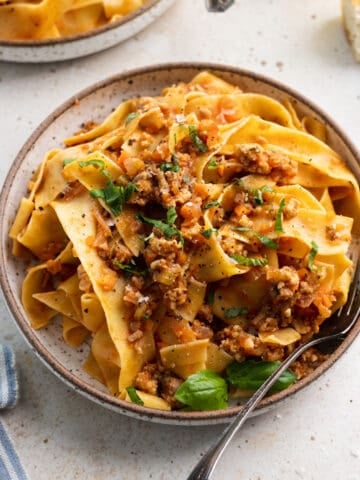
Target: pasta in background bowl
x=198, y=232
x=49, y=30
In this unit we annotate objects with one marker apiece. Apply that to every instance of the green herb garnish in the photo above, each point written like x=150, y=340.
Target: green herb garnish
x=115, y=196
x=208, y=232
x=235, y=312
x=66, y=161
x=171, y=167
x=313, y=252
x=171, y=216
x=204, y=390
x=196, y=140
x=258, y=194
x=166, y=228
x=134, y=397
x=211, y=204
x=251, y=374
x=239, y=182
x=279, y=215
x=96, y=163
x=250, y=261
x=212, y=164
x=267, y=241
x=210, y=297
x=131, y=117
x=129, y=267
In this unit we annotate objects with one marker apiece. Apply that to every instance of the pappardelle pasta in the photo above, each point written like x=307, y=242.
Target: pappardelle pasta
x=193, y=240
x=46, y=19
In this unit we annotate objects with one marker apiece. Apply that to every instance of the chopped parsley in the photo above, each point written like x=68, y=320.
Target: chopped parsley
x=131, y=117
x=208, y=232
x=235, y=312
x=196, y=140
x=279, y=215
x=211, y=204
x=134, y=397
x=115, y=196
x=250, y=261
x=267, y=241
x=313, y=252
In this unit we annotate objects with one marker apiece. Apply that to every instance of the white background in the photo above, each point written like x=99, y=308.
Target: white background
x=316, y=435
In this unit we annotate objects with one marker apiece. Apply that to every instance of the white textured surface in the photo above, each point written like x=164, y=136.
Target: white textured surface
x=62, y=436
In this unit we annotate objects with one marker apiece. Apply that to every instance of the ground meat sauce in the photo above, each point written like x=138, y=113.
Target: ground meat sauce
x=291, y=289
x=204, y=215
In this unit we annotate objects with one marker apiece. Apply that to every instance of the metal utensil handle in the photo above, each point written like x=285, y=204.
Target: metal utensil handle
x=206, y=465
x=218, y=5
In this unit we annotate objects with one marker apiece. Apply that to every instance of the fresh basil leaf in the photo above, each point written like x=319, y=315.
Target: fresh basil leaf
x=207, y=233
x=279, y=215
x=313, y=252
x=211, y=204
x=251, y=374
x=235, y=312
x=131, y=117
x=134, y=397
x=204, y=390
x=250, y=261
x=196, y=140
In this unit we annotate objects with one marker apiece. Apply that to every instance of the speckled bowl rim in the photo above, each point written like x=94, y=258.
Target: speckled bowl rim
x=103, y=398
x=81, y=36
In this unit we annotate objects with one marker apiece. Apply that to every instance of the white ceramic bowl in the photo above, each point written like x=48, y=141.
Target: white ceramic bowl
x=97, y=102
x=42, y=51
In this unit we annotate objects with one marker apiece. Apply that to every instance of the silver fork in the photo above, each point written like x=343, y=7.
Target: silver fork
x=333, y=329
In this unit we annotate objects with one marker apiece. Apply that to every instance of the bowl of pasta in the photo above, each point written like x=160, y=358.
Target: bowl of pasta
x=172, y=233
x=35, y=31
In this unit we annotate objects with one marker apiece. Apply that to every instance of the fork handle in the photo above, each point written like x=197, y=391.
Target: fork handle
x=206, y=465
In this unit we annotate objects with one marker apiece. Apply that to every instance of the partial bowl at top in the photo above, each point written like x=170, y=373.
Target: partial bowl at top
x=82, y=44
x=95, y=103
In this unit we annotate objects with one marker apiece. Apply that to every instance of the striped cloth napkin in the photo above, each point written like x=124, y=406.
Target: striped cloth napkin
x=10, y=466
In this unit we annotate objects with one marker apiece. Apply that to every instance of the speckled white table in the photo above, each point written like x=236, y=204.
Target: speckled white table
x=58, y=434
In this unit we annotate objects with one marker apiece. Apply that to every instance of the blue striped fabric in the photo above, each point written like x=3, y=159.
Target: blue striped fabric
x=10, y=466
x=8, y=378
